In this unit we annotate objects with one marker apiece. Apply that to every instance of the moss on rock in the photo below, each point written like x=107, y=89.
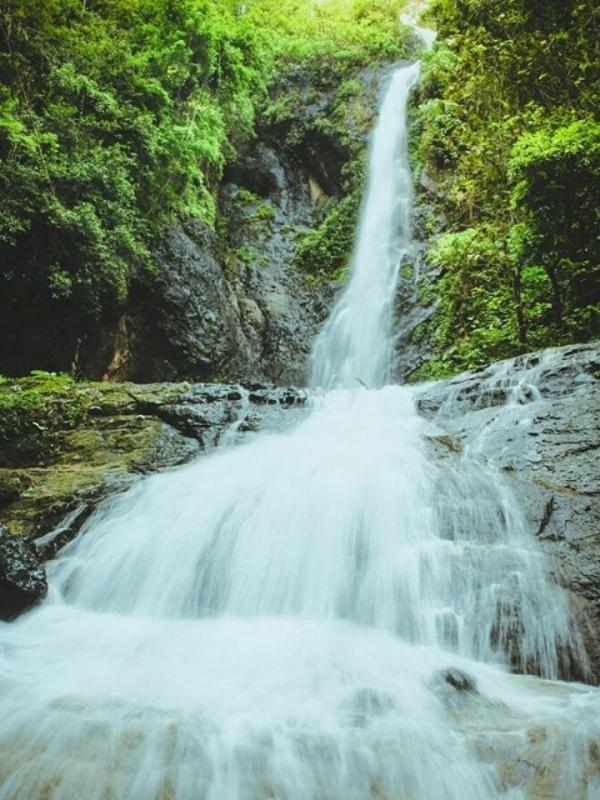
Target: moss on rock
x=64, y=444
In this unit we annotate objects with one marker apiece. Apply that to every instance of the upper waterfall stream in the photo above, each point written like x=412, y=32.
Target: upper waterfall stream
x=355, y=346
x=319, y=613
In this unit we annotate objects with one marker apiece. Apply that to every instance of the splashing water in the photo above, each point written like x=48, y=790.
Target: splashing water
x=319, y=614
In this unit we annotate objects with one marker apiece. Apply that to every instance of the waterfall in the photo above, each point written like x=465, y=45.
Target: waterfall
x=319, y=613
x=355, y=346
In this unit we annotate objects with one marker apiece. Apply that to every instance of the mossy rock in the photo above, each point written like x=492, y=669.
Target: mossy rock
x=126, y=430
x=75, y=459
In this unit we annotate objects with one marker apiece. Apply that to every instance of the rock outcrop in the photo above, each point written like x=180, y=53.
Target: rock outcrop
x=22, y=578
x=536, y=421
x=227, y=302
x=128, y=430
x=232, y=304
x=227, y=311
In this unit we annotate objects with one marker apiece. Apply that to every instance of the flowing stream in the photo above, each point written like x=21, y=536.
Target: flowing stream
x=323, y=613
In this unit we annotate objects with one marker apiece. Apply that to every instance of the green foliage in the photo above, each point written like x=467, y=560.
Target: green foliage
x=555, y=175
x=245, y=196
x=256, y=209
x=246, y=255
x=336, y=34
x=320, y=48
x=116, y=118
x=506, y=129
x=475, y=266
x=327, y=249
x=37, y=406
x=323, y=65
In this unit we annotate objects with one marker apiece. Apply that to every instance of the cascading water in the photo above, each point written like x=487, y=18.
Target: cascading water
x=319, y=614
x=355, y=345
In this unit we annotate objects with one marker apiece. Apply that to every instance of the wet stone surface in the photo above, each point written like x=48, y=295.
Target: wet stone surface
x=129, y=430
x=535, y=420
x=22, y=577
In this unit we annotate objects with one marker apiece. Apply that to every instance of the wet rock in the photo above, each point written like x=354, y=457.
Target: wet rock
x=458, y=692
x=196, y=328
x=443, y=443
x=459, y=680
x=128, y=430
x=230, y=308
x=12, y=485
x=99, y=458
x=201, y=421
x=233, y=306
x=554, y=373
x=415, y=303
x=22, y=578
x=279, y=313
x=536, y=421
x=50, y=543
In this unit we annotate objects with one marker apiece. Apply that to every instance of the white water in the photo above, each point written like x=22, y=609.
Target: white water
x=272, y=621
x=355, y=346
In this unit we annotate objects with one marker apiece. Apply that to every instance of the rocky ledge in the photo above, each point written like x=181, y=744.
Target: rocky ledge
x=81, y=442
x=536, y=420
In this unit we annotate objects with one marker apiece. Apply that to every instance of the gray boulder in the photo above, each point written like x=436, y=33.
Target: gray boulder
x=22, y=578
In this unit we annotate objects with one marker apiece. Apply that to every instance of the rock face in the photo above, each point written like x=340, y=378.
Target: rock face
x=128, y=430
x=195, y=330
x=236, y=313
x=414, y=305
x=22, y=577
x=536, y=419
x=232, y=304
